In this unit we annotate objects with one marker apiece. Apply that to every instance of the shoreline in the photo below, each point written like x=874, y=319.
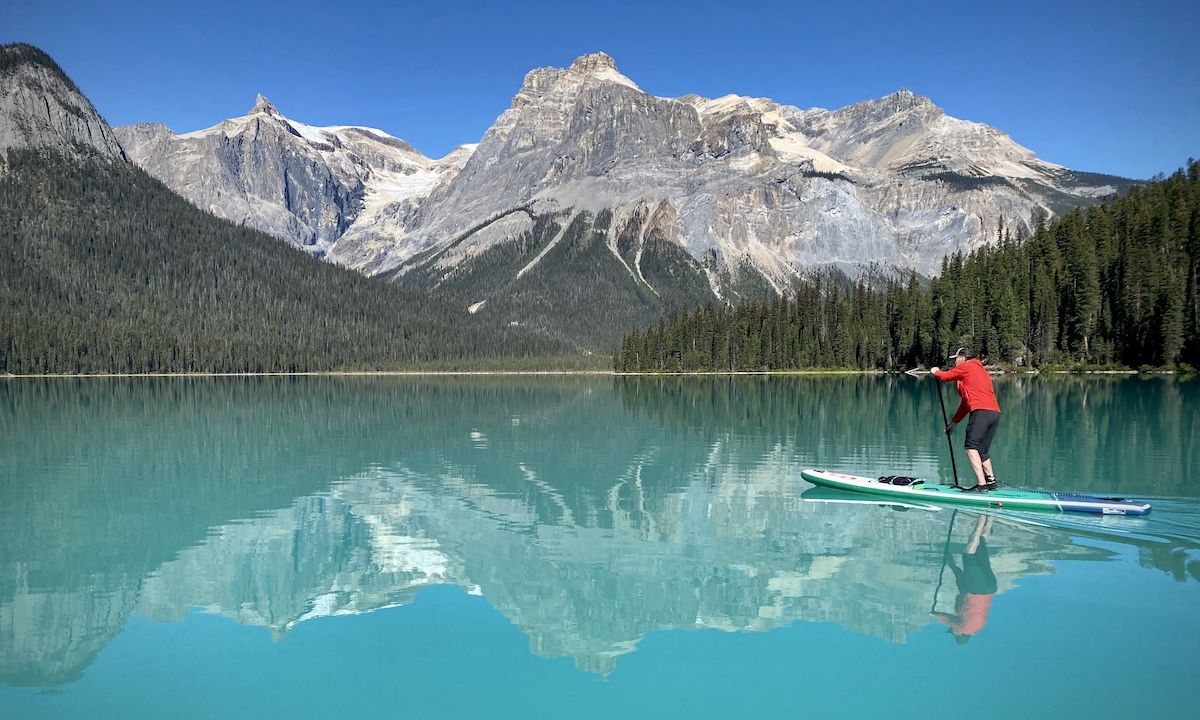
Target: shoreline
x=320, y=373
x=518, y=373
x=419, y=373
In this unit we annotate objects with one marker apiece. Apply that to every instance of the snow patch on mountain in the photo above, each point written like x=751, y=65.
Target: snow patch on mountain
x=361, y=128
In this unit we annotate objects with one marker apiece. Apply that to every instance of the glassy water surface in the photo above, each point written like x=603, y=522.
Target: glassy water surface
x=585, y=547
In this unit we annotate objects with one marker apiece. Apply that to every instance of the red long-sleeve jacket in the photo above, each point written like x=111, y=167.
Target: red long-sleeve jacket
x=974, y=385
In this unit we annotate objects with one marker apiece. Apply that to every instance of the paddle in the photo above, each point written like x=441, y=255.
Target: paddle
x=945, y=553
x=945, y=422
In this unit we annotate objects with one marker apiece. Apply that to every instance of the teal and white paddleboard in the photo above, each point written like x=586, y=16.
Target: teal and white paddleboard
x=926, y=491
x=840, y=497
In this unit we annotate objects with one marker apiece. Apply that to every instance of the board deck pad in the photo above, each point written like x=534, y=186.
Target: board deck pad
x=1011, y=499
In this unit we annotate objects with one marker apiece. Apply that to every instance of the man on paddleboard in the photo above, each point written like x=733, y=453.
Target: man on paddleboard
x=978, y=399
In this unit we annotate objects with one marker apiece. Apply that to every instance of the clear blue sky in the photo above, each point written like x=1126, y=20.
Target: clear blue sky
x=1103, y=86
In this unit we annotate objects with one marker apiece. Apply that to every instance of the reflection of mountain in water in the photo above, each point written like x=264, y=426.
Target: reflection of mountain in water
x=105, y=480
x=584, y=520
x=739, y=555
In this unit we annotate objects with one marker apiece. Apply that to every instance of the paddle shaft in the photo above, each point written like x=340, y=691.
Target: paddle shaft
x=945, y=552
x=946, y=423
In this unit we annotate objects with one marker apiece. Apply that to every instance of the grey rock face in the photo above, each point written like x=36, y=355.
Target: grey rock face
x=257, y=171
x=755, y=184
x=40, y=107
x=304, y=184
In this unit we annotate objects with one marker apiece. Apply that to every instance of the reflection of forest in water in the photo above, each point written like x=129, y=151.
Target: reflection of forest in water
x=1106, y=434
x=1136, y=436
x=589, y=511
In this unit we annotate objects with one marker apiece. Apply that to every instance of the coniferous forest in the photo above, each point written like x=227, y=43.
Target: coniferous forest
x=104, y=269
x=1113, y=285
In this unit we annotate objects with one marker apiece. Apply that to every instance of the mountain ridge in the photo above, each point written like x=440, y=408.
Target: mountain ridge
x=591, y=207
x=901, y=133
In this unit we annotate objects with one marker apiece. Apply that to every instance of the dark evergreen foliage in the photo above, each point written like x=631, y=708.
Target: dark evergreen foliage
x=562, y=280
x=968, y=183
x=103, y=269
x=828, y=175
x=1115, y=284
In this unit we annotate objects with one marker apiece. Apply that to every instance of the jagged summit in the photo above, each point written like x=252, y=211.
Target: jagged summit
x=593, y=62
x=585, y=70
x=600, y=66
x=263, y=105
x=901, y=100
x=304, y=183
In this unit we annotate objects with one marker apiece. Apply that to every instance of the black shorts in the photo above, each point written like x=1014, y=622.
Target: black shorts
x=980, y=429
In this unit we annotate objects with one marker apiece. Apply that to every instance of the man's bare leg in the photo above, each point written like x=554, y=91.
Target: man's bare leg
x=977, y=466
x=982, y=526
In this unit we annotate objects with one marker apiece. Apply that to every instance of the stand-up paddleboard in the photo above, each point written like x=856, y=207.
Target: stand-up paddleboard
x=926, y=491
x=840, y=497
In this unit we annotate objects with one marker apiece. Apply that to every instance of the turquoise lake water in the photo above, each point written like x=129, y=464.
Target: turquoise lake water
x=586, y=548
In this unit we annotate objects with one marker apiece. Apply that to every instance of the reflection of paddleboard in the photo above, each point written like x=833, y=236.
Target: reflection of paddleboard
x=841, y=497
x=925, y=491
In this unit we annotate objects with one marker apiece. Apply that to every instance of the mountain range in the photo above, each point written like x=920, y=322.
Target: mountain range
x=591, y=203
x=591, y=206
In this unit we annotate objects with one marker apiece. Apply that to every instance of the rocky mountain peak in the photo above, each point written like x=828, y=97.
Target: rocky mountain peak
x=584, y=70
x=593, y=62
x=41, y=107
x=905, y=98
x=890, y=111
x=263, y=105
x=599, y=66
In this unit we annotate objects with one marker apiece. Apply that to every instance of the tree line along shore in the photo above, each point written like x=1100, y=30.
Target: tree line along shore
x=1113, y=287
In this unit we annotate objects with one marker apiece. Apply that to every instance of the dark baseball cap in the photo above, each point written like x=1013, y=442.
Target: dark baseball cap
x=963, y=352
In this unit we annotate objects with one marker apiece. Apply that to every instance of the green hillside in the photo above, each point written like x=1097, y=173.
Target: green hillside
x=103, y=269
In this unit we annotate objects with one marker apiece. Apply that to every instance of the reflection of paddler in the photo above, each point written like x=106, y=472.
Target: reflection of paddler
x=976, y=586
